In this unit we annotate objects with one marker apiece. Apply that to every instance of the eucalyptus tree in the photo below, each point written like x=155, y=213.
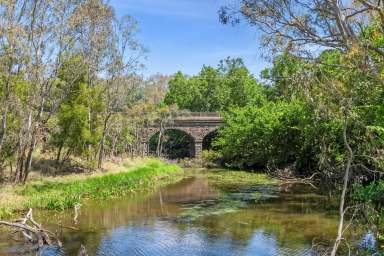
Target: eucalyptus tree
x=122, y=60
x=49, y=49
x=93, y=19
x=35, y=37
x=155, y=89
x=68, y=129
x=12, y=49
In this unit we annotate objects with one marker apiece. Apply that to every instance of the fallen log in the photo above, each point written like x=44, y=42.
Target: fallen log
x=32, y=231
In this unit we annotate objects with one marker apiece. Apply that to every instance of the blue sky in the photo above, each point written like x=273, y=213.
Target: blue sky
x=186, y=34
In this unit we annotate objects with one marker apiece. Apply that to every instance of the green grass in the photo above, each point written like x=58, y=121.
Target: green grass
x=239, y=177
x=59, y=195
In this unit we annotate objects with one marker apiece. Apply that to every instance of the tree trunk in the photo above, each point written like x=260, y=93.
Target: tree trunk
x=135, y=146
x=28, y=162
x=161, y=146
x=4, y=115
x=11, y=169
x=20, y=164
x=344, y=191
x=159, y=139
x=65, y=158
x=101, y=148
x=33, y=143
x=3, y=126
x=113, y=147
x=21, y=154
x=59, y=154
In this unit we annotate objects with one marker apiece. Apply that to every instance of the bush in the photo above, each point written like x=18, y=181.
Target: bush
x=270, y=135
x=211, y=157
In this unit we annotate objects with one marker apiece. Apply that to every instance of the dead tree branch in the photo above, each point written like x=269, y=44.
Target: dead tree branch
x=32, y=231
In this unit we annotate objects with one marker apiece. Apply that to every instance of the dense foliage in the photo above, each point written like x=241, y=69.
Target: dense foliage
x=214, y=89
x=270, y=135
x=69, y=89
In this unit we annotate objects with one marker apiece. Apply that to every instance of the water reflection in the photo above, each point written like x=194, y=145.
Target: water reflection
x=163, y=238
x=195, y=217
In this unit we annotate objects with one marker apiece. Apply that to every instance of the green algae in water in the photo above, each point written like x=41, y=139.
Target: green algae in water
x=203, y=209
x=253, y=193
x=230, y=177
x=227, y=202
x=237, y=189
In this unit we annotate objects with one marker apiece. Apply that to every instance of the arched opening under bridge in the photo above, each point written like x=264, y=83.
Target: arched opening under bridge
x=175, y=144
x=209, y=139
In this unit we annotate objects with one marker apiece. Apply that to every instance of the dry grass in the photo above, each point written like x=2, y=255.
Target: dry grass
x=117, y=166
x=10, y=200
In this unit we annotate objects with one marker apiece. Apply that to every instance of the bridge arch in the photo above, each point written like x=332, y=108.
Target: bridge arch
x=177, y=143
x=208, y=139
x=152, y=131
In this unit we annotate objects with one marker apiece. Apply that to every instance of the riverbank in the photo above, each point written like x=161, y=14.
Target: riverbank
x=65, y=192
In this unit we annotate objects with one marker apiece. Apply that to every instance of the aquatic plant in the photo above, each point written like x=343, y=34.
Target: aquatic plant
x=228, y=201
x=239, y=177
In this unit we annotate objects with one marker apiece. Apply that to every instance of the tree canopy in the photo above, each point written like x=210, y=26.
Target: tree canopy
x=215, y=89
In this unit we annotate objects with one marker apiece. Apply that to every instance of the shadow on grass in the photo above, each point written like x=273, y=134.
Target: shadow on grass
x=50, y=168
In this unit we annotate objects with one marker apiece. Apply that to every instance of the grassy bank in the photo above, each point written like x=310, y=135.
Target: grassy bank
x=64, y=192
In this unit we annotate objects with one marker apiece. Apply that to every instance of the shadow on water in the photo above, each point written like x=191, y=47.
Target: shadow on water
x=196, y=217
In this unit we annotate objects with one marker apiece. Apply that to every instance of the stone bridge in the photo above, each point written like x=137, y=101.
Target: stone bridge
x=196, y=124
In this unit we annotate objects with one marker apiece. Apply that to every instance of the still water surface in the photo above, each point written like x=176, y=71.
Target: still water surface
x=197, y=217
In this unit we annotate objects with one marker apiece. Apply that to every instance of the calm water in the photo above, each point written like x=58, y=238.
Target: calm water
x=196, y=217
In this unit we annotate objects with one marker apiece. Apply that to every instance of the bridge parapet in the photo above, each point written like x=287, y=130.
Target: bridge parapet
x=197, y=114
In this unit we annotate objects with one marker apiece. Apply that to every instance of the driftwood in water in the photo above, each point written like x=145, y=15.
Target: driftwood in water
x=83, y=251
x=77, y=209
x=32, y=231
x=286, y=177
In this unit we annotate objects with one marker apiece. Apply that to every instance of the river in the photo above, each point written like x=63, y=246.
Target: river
x=197, y=217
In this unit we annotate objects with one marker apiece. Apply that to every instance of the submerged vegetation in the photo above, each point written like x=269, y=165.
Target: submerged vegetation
x=236, y=189
x=240, y=177
x=65, y=193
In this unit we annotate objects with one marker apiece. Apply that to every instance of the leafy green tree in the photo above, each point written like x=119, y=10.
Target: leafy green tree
x=70, y=126
x=215, y=89
x=270, y=135
x=279, y=79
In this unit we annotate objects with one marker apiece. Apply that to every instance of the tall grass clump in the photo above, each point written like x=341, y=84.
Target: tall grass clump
x=62, y=195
